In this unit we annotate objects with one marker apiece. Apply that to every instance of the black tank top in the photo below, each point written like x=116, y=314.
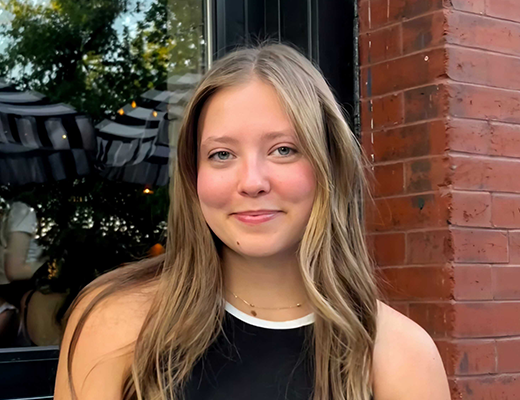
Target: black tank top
x=255, y=359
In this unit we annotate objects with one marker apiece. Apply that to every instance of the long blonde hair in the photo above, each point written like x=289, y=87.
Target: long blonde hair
x=188, y=309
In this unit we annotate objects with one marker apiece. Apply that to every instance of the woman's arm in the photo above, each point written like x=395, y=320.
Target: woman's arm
x=16, y=267
x=407, y=364
x=104, y=351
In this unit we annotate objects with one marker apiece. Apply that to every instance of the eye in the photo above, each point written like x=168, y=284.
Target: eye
x=220, y=156
x=285, y=151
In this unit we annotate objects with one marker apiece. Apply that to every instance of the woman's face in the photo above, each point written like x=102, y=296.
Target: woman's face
x=255, y=187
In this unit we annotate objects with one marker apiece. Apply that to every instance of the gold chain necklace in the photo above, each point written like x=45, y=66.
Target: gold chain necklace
x=253, y=312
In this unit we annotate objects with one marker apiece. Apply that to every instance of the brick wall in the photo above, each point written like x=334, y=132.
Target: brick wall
x=440, y=112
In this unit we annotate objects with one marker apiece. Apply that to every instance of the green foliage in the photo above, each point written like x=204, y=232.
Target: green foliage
x=73, y=52
x=70, y=50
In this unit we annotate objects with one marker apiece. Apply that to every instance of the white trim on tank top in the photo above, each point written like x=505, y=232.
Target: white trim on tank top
x=263, y=323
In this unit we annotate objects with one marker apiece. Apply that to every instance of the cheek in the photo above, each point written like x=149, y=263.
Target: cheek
x=213, y=189
x=297, y=185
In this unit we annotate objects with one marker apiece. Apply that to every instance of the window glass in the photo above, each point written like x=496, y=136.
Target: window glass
x=91, y=94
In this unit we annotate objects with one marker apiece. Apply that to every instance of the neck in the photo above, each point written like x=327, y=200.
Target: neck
x=271, y=282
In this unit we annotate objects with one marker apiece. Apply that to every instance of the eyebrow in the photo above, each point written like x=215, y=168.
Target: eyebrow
x=229, y=140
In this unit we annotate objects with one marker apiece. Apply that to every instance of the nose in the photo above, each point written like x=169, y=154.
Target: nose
x=253, y=178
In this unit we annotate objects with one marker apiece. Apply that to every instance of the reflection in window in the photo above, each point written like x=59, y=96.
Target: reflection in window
x=91, y=95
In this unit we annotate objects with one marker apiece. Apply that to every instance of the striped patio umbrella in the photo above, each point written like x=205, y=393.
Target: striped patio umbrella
x=135, y=146
x=41, y=141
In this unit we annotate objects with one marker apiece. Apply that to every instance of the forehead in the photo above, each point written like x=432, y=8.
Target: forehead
x=242, y=111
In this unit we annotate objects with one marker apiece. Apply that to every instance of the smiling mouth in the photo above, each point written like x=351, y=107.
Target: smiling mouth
x=256, y=217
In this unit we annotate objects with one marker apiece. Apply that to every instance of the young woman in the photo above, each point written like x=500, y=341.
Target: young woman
x=266, y=289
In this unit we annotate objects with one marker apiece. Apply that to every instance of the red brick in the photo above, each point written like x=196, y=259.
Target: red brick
x=436, y=318
x=380, y=45
x=478, y=102
x=469, y=136
x=381, y=112
x=425, y=103
x=429, y=247
x=467, y=357
x=480, y=246
x=389, y=249
x=474, y=6
x=505, y=211
x=424, y=32
x=413, y=8
x=414, y=283
x=506, y=283
x=514, y=247
x=402, y=73
x=498, y=387
x=389, y=179
x=483, y=68
x=426, y=174
x=508, y=355
x=484, y=137
x=366, y=144
x=401, y=307
x=410, y=141
x=471, y=209
x=408, y=212
x=363, y=15
x=505, y=9
x=473, y=282
x=383, y=12
x=486, y=319
x=484, y=173
x=472, y=30
x=505, y=140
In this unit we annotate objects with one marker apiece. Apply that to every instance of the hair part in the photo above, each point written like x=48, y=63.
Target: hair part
x=187, y=312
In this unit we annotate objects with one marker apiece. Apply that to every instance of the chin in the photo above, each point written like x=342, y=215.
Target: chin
x=265, y=249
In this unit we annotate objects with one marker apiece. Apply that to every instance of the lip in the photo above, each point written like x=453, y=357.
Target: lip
x=255, y=217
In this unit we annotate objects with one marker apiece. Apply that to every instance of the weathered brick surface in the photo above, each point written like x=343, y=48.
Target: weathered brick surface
x=426, y=174
x=402, y=73
x=484, y=33
x=474, y=6
x=429, y=247
x=380, y=45
x=468, y=357
x=503, y=9
x=418, y=283
x=483, y=68
x=506, y=285
x=486, y=319
x=508, y=355
x=480, y=246
x=408, y=212
x=411, y=141
x=484, y=137
x=382, y=112
x=471, y=208
x=389, y=179
x=503, y=387
x=440, y=111
x=423, y=32
x=390, y=249
x=473, y=282
x=484, y=103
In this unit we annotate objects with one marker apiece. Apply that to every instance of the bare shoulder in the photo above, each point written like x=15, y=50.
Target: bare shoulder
x=104, y=348
x=407, y=364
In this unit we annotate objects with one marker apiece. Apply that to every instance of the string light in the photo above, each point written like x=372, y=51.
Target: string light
x=154, y=113
x=147, y=191
x=121, y=111
x=134, y=104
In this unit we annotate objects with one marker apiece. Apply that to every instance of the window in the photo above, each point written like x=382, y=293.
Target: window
x=91, y=94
